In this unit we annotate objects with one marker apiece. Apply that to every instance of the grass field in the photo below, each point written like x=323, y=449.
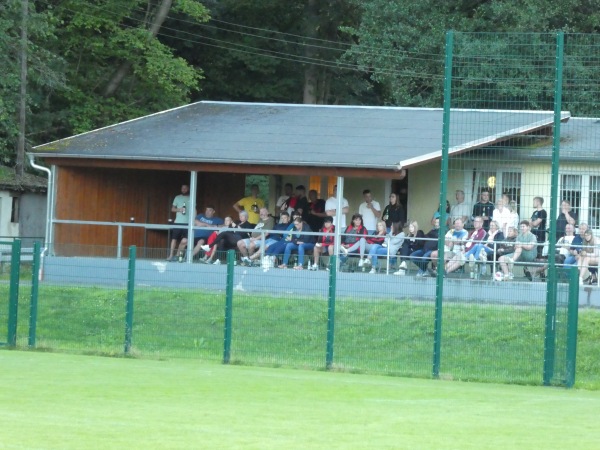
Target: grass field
x=58, y=401
x=480, y=342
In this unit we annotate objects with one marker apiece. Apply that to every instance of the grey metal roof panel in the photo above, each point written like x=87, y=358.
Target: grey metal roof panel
x=292, y=135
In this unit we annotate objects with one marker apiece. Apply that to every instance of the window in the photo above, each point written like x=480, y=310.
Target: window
x=14, y=212
x=498, y=183
x=583, y=192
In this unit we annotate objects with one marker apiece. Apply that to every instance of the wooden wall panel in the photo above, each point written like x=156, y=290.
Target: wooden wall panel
x=113, y=195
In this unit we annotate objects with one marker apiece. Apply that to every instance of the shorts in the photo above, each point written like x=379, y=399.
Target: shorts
x=179, y=233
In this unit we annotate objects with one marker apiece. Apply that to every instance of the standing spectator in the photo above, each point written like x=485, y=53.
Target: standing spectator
x=248, y=245
x=370, y=211
x=285, y=200
x=514, y=215
x=525, y=251
x=502, y=216
x=180, y=207
x=461, y=210
x=538, y=223
x=302, y=202
x=251, y=205
x=325, y=243
x=393, y=213
x=331, y=208
x=206, y=220
x=298, y=242
x=484, y=208
x=566, y=216
x=316, y=211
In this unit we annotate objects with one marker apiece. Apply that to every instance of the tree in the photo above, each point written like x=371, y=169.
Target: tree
x=117, y=66
x=45, y=73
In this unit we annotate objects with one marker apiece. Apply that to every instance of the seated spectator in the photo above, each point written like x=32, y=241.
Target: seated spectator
x=476, y=237
x=298, y=242
x=422, y=256
x=228, y=238
x=325, y=243
x=276, y=249
x=354, y=239
x=206, y=220
x=412, y=242
x=589, y=256
x=375, y=242
x=283, y=225
x=485, y=250
x=255, y=241
x=508, y=246
x=454, y=244
x=525, y=251
x=576, y=245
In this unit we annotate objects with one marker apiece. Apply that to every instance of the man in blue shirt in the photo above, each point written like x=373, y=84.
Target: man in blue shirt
x=207, y=221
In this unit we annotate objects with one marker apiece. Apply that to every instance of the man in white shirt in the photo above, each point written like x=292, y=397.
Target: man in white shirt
x=331, y=209
x=461, y=210
x=370, y=211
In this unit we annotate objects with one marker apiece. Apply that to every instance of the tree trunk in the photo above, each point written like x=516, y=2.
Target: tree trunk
x=20, y=159
x=311, y=73
x=123, y=70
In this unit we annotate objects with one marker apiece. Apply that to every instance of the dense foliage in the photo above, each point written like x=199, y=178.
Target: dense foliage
x=97, y=62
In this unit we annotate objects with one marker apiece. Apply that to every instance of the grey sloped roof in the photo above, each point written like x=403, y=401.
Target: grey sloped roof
x=295, y=135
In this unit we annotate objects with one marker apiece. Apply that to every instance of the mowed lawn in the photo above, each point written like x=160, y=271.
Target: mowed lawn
x=58, y=401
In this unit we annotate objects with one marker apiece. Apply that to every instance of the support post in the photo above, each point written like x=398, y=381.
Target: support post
x=13, y=296
x=572, y=318
x=439, y=291
x=33, y=299
x=331, y=311
x=228, y=307
x=130, y=297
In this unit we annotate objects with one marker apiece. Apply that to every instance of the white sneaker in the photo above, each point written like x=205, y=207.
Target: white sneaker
x=403, y=265
x=373, y=270
x=483, y=256
x=367, y=262
x=315, y=267
x=206, y=248
x=400, y=272
x=361, y=262
x=217, y=262
x=472, y=261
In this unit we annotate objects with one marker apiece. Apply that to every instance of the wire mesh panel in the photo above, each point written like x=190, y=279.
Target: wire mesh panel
x=4, y=288
x=384, y=324
x=279, y=317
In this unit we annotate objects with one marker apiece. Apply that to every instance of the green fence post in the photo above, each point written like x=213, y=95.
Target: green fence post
x=130, y=296
x=13, y=299
x=228, y=307
x=550, y=331
x=33, y=299
x=331, y=311
x=572, y=317
x=439, y=291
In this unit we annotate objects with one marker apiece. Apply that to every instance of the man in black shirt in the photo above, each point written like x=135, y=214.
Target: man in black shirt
x=538, y=223
x=484, y=208
x=567, y=215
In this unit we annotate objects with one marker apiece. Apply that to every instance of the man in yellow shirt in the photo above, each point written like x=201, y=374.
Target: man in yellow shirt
x=251, y=205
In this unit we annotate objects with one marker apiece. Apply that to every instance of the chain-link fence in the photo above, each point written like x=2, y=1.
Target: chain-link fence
x=332, y=319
